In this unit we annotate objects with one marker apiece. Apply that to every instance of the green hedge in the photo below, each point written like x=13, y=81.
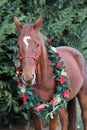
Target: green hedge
x=64, y=21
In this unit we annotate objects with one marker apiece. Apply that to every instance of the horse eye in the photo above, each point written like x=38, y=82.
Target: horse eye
x=37, y=45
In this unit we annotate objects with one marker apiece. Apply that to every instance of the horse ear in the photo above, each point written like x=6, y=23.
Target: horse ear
x=38, y=23
x=18, y=24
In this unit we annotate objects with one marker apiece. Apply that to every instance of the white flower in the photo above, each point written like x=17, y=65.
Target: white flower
x=78, y=127
x=58, y=98
x=22, y=89
x=54, y=49
x=63, y=73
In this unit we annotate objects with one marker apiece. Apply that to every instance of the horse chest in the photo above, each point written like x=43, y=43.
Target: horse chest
x=45, y=89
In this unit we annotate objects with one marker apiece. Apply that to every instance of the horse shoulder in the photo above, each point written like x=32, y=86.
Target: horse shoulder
x=75, y=67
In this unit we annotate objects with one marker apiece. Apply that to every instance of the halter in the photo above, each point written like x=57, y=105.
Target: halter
x=32, y=57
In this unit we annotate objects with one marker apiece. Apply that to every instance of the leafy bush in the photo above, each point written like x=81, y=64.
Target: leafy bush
x=64, y=22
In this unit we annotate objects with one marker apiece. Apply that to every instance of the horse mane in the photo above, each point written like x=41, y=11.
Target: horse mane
x=44, y=54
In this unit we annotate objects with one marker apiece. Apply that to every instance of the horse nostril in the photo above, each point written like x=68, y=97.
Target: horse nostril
x=23, y=80
x=33, y=78
x=32, y=75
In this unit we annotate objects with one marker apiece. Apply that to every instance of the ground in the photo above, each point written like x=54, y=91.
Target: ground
x=22, y=125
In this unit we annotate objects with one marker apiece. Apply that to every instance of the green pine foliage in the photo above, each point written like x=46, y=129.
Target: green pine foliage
x=64, y=21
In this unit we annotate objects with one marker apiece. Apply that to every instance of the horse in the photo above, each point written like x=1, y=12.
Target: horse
x=37, y=72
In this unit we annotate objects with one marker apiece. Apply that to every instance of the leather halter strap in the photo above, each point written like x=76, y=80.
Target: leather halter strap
x=32, y=57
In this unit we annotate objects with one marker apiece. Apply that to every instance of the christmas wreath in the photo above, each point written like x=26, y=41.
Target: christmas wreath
x=45, y=109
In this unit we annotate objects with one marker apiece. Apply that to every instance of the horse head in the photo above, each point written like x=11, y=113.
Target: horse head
x=29, y=48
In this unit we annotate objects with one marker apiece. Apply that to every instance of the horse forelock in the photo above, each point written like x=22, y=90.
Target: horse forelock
x=24, y=32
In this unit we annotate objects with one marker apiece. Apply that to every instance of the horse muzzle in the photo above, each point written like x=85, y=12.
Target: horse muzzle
x=29, y=82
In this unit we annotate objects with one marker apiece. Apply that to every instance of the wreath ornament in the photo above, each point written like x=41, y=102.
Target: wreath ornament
x=46, y=109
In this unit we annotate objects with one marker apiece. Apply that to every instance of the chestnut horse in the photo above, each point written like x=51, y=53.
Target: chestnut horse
x=34, y=64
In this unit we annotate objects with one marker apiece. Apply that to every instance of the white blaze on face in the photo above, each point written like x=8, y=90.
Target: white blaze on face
x=25, y=40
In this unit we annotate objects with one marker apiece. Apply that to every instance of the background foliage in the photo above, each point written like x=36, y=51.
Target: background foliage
x=64, y=21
